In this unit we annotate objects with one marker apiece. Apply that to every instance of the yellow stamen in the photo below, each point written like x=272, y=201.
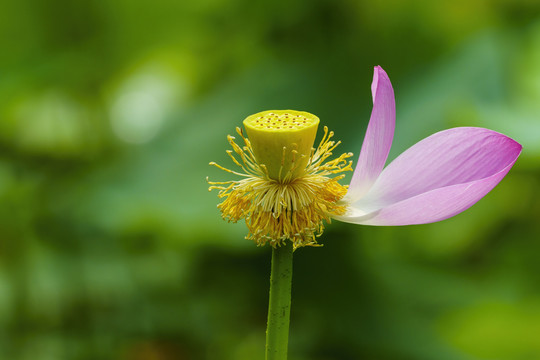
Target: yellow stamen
x=291, y=205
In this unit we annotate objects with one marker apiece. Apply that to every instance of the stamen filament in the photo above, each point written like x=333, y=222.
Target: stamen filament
x=294, y=206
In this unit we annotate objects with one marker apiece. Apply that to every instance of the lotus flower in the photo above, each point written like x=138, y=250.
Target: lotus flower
x=435, y=179
x=288, y=188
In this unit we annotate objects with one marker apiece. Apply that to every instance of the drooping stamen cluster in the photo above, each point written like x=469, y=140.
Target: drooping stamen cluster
x=294, y=205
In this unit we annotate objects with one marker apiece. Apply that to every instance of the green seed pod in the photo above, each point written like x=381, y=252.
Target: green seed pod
x=282, y=141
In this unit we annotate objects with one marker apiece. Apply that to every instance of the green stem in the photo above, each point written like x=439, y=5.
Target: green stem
x=279, y=307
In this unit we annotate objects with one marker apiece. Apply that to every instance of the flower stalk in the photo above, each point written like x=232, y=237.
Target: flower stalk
x=279, y=306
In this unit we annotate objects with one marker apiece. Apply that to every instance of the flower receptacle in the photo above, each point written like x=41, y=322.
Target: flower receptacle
x=282, y=141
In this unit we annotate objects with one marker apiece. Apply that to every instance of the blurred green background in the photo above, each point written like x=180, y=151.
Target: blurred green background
x=111, y=246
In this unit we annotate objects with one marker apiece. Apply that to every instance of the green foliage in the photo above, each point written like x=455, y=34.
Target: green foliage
x=111, y=246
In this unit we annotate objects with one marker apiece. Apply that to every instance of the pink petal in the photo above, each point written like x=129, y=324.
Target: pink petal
x=378, y=138
x=437, y=178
